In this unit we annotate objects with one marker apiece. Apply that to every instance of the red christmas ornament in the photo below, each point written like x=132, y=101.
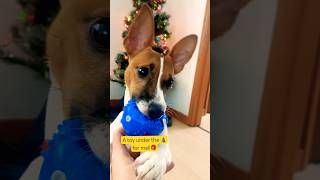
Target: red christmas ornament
x=30, y=18
x=159, y=9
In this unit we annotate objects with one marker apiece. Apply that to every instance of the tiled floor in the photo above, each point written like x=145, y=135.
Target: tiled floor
x=312, y=172
x=190, y=147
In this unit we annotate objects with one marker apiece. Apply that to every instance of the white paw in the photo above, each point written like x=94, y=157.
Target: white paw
x=153, y=165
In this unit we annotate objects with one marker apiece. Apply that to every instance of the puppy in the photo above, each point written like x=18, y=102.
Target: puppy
x=78, y=53
x=148, y=77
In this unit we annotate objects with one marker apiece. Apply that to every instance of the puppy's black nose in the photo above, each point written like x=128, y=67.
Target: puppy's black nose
x=155, y=110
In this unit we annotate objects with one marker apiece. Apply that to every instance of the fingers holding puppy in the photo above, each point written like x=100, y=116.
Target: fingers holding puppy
x=123, y=166
x=126, y=165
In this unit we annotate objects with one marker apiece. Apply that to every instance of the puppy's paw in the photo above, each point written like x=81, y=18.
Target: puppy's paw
x=153, y=165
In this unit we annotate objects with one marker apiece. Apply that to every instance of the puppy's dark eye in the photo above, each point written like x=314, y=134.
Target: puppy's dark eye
x=143, y=72
x=99, y=32
x=168, y=84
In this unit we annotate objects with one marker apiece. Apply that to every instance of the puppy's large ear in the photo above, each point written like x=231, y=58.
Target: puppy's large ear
x=141, y=32
x=182, y=52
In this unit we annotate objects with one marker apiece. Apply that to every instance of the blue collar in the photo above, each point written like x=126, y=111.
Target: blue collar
x=69, y=155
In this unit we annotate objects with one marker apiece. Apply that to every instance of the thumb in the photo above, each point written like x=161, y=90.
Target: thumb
x=116, y=142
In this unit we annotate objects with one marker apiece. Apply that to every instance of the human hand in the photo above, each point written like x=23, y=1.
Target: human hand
x=123, y=166
x=123, y=161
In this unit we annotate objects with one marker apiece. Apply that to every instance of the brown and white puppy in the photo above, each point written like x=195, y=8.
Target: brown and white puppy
x=78, y=52
x=148, y=78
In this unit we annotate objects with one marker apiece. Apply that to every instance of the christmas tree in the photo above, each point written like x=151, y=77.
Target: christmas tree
x=30, y=35
x=162, y=33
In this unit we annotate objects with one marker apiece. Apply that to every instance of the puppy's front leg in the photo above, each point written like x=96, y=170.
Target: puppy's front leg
x=153, y=165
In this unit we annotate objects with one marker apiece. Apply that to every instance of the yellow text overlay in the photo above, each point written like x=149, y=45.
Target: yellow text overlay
x=144, y=143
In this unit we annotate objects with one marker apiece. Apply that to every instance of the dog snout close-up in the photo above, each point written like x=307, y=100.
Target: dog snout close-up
x=78, y=53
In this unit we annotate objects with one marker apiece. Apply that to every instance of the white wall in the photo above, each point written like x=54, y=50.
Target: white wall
x=240, y=59
x=186, y=18
x=22, y=92
x=118, y=10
